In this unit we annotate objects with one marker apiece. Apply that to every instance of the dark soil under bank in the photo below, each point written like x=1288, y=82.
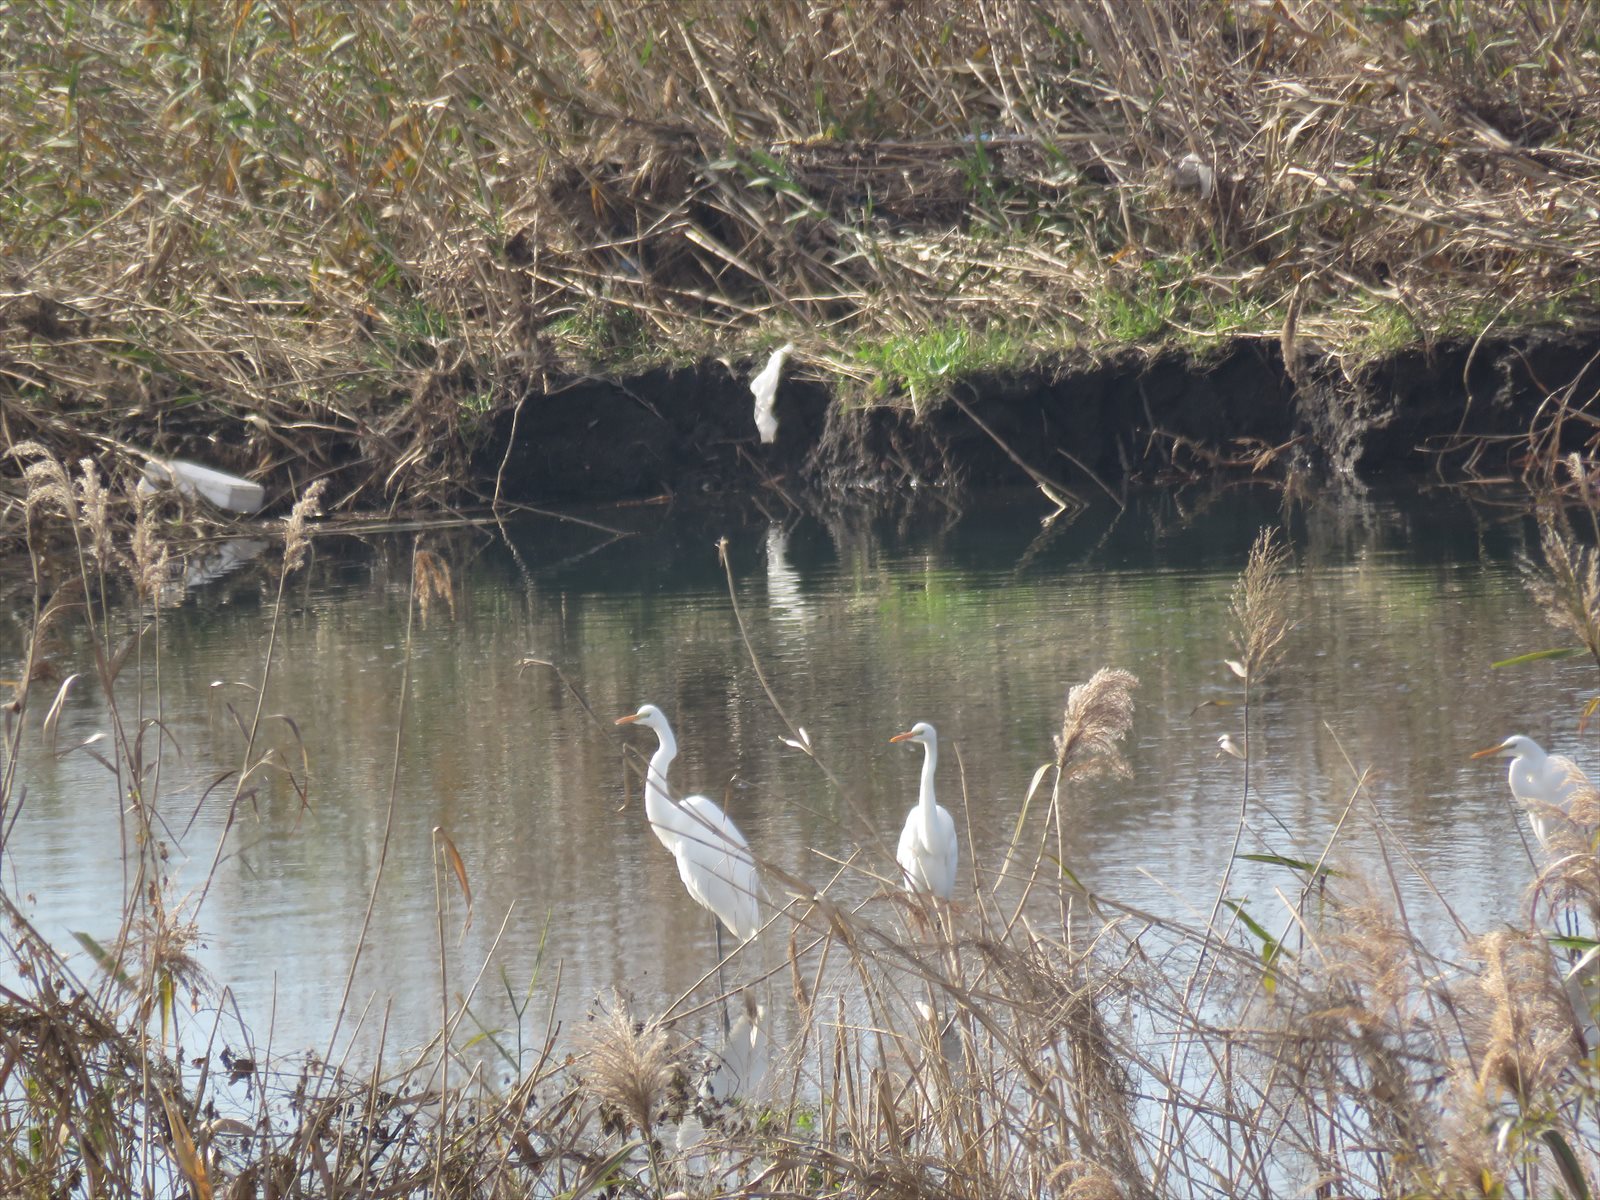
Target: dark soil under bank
x=1458, y=405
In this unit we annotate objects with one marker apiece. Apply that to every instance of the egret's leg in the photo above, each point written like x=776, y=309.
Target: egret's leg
x=722, y=987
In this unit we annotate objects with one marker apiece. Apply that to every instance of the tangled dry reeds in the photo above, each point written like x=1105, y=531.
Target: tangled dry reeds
x=338, y=239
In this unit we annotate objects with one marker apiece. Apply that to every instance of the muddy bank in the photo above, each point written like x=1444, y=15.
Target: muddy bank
x=1133, y=418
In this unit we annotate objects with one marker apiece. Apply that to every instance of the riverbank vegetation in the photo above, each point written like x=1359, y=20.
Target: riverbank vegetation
x=325, y=239
x=1032, y=1039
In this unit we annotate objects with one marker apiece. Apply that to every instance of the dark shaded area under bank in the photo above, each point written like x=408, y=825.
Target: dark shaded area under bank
x=1457, y=406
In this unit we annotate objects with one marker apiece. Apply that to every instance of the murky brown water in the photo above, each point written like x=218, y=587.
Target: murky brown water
x=974, y=621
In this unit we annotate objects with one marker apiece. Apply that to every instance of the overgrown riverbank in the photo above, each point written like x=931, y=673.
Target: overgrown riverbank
x=352, y=241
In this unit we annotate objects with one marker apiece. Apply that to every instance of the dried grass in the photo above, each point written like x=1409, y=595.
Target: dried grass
x=1094, y=724
x=1566, y=583
x=628, y=1068
x=1260, y=606
x=334, y=239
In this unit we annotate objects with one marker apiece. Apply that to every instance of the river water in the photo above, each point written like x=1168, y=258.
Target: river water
x=971, y=617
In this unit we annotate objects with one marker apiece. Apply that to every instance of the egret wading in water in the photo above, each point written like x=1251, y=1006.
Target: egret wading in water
x=1544, y=784
x=927, y=853
x=714, y=860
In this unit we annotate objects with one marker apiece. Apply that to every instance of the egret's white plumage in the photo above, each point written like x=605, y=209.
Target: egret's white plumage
x=927, y=853
x=714, y=859
x=1540, y=782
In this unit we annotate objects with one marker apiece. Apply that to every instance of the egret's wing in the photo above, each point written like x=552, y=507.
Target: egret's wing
x=928, y=856
x=707, y=820
x=1552, y=817
x=906, y=853
x=949, y=849
x=716, y=866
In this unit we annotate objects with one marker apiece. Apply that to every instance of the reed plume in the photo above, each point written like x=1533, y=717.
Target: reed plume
x=95, y=503
x=295, y=537
x=629, y=1067
x=1526, y=1018
x=1469, y=1162
x=1260, y=604
x=148, y=565
x=1567, y=587
x=45, y=481
x=1097, y=719
x=1084, y=1181
x=1368, y=951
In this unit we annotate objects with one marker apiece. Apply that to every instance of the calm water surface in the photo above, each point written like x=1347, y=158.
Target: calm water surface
x=974, y=620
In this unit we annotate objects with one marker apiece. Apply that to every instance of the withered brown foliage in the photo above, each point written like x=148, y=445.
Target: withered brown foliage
x=349, y=232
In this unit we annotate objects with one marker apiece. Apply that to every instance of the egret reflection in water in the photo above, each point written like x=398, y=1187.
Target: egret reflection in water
x=784, y=598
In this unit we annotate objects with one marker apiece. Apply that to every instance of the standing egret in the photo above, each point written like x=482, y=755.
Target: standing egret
x=927, y=853
x=1544, y=784
x=714, y=860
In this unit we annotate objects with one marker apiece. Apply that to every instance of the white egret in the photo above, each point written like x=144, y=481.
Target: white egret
x=714, y=859
x=1544, y=784
x=927, y=853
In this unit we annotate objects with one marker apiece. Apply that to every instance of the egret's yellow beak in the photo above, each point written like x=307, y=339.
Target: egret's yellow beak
x=900, y=737
x=1487, y=751
x=627, y=720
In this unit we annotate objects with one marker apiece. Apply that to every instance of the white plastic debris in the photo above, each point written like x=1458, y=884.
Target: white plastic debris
x=765, y=388
x=225, y=491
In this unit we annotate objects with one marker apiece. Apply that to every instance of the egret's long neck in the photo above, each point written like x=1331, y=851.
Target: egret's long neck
x=657, y=800
x=1524, y=773
x=930, y=764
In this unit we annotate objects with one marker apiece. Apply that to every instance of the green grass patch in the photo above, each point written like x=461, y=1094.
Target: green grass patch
x=1162, y=298
x=1384, y=326
x=923, y=366
x=603, y=335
